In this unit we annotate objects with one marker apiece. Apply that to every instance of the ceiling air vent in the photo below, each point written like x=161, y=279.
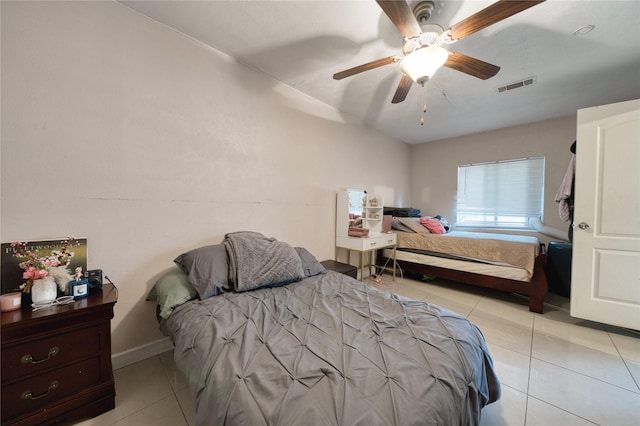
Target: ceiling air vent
x=517, y=84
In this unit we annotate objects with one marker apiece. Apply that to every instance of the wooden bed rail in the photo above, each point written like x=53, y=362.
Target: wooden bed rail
x=536, y=289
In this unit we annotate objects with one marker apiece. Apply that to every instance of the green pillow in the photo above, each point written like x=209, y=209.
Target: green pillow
x=172, y=290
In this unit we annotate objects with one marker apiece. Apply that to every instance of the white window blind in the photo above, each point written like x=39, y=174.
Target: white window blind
x=500, y=194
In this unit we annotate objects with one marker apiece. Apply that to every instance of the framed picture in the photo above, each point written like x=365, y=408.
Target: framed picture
x=12, y=273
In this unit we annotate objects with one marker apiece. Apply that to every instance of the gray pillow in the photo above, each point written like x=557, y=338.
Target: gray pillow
x=399, y=226
x=414, y=224
x=172, y=290
x=261, y=262
x=310, y=264
x=207, y=268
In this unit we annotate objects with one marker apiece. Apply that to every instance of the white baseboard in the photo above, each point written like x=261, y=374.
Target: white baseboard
x=131, y=356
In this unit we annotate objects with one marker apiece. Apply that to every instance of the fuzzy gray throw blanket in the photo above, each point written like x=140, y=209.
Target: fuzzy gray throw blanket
x=257, y=261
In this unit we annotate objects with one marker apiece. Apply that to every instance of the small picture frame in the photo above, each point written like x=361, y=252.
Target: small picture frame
x=79, y=288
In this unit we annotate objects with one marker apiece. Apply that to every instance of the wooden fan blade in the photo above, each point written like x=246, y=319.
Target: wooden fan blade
x=402, y=16
x=472, y=66
x=365, y=67
x=489, y=16
x=403, y=89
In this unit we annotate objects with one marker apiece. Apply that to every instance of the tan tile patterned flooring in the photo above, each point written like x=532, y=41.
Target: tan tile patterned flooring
x=555, y=369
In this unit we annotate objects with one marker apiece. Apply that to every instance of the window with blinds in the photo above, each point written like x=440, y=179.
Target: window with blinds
x=504, y=194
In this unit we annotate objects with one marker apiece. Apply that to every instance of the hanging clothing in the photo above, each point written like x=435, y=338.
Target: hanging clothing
x=564, y=196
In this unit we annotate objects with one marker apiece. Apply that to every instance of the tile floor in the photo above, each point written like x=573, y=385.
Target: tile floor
x=555, y=369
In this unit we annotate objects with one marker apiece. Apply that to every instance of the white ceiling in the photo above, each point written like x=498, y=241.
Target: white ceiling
x=303, y=43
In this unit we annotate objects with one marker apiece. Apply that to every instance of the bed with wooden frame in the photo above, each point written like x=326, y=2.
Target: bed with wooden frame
x=425, y=253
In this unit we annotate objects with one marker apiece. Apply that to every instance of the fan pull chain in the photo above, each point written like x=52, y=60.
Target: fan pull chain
x=424, y=104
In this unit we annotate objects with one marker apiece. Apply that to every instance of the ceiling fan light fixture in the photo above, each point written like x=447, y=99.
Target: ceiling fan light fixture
x=421, y=64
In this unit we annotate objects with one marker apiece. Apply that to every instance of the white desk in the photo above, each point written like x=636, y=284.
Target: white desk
x=367, y=245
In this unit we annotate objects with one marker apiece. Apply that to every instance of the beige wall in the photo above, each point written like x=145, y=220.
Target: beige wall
x=434, y=165
x=118, y=129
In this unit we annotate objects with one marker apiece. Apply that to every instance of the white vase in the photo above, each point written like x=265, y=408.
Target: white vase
x=44, y=290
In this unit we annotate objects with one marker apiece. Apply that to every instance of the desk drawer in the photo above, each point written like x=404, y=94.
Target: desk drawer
x=42, y=354
x=372, y=243
x=388, y=240
x=39, y=392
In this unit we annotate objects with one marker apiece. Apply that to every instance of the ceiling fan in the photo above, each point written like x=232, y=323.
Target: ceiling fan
x=422, y=51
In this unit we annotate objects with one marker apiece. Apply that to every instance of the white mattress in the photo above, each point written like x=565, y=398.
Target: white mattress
x=509, y=272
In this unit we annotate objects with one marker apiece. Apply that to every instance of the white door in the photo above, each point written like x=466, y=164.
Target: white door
x=605, y=274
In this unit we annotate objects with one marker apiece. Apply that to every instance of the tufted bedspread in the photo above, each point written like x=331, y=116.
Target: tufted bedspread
x=330, y=350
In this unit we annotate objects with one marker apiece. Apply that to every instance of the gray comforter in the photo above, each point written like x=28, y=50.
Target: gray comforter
x=330, y=350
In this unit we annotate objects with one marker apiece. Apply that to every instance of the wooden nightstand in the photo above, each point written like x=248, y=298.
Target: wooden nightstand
x=56, y=362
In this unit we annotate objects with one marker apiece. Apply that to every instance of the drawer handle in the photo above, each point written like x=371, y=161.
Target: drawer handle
x=28, y=358
x=29, y=395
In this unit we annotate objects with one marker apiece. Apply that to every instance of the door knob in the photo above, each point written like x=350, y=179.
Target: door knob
x=583, y=225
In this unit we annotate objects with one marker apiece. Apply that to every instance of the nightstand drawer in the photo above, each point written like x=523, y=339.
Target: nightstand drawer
x=49, y=352
x=41, y=391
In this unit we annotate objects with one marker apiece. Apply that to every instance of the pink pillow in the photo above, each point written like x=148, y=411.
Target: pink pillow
x=433, y=225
